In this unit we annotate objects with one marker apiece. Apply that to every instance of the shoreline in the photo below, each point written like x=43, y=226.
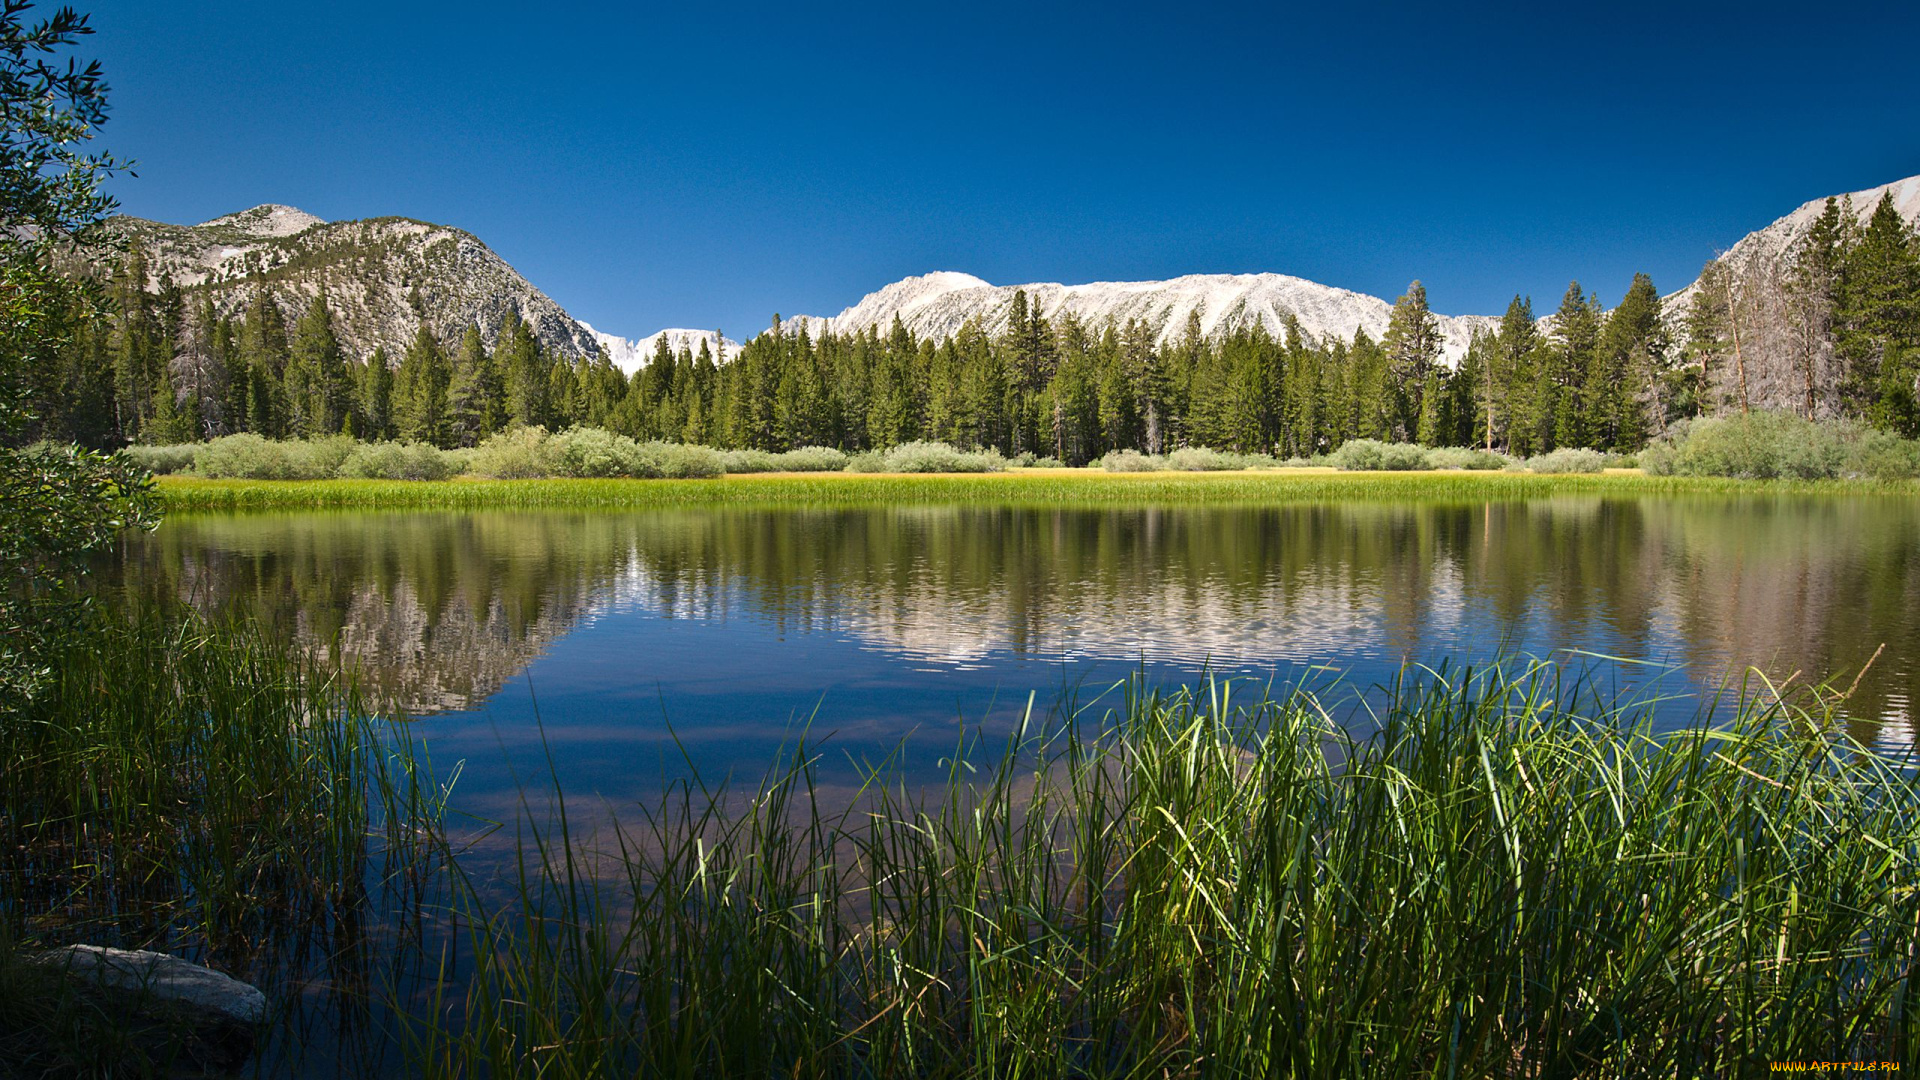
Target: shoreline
x=1046, y=487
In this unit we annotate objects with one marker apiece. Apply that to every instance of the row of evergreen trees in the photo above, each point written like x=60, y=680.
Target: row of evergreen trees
x=1834, y=330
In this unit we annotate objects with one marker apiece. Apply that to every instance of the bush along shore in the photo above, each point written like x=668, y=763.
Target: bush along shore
x=1494, y=872
x=1761, y=446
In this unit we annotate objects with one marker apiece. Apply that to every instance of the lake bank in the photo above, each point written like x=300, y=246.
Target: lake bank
x=1020, y=487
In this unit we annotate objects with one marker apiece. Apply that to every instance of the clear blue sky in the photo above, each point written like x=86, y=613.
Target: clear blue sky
x=707, y=165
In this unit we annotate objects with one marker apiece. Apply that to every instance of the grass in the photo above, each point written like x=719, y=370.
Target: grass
x=195, y=789
x=1509, y=875
x=1494, y=873
x=1030, y=486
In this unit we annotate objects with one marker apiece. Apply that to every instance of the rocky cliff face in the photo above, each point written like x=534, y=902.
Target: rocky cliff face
x=383, y=277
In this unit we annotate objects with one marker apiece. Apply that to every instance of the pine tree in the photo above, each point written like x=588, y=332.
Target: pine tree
x=474, y=398
x=319, y=383
x=1375, y=411
x=420, y=391
x=137, y=346
x=1576, y=339
x=1879, y=320
x=1074, y=399
x=376, y=397
x=1709, y=345
x=1412, y=346
x=524, y=372
x=263, y=345
x=1629, y=366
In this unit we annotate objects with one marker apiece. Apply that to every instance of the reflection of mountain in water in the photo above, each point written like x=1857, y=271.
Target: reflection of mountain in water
x=436, y=610
x=441, y=609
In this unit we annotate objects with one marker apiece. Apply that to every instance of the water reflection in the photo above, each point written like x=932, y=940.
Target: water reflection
x=442, y=609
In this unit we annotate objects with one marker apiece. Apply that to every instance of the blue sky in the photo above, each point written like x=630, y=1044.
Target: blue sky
x=708, y=165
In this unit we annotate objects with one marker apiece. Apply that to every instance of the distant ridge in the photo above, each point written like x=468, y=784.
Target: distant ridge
x=385, y=277
x=937, y=305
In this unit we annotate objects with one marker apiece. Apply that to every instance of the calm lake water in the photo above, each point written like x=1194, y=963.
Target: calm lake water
x=649, y=643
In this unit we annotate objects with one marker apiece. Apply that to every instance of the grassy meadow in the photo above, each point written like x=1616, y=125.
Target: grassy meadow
x=1024, y=486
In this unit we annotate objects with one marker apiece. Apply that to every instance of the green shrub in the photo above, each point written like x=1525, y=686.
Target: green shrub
x=1880, y=455
x=749, y=461
x=1466, y=457
x=1768, y=445
x=1046, y=463
x=396, y=461
x=678, y=461
x=163, y=460
x=1202, y=459
x=1762, y=446
x=594, y=452
x=871, y=461
x=516, y=454
x=939, y=457
x=1567, y=460
x=249, y=457
x=811, y=459
x=804, y=459
x=1372, y=455
x=1131, y=461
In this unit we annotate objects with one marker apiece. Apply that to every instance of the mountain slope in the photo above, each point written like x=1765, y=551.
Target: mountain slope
x=938, y=304
x=1761, y=250
x=383, y=276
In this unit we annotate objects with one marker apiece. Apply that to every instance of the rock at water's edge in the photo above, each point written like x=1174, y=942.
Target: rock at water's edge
x=170, y=981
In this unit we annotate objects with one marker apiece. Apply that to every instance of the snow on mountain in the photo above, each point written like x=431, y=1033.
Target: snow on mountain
x=632, y=354
x=936, y=305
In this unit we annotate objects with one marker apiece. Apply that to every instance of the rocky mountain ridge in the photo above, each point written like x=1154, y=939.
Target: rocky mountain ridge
x=384, y=277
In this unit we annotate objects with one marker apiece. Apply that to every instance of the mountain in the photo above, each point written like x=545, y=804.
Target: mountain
x=1760, y=252
x=937, y=305
x=383, y=276
x=629, y=355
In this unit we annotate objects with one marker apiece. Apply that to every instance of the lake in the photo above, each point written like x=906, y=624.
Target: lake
x=646, y=644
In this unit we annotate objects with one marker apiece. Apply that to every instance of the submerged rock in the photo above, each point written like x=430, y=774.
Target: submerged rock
x=212, y=1017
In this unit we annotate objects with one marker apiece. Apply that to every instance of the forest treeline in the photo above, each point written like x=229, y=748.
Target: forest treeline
x=1828, y=329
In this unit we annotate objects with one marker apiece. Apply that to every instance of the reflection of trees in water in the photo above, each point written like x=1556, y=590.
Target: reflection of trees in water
x=442, y=608
x=437, y=610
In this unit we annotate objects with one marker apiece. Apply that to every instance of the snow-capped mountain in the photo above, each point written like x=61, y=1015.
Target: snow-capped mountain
x=937, y=305
x=630, y=355
x=386, y=276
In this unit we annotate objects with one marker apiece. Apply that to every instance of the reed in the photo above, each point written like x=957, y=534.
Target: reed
x=1013, y=487
x=197, y=789
x=1507, y=874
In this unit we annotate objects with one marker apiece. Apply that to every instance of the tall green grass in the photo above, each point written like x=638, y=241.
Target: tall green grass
x=1011, y=487
x=1508, y=875
x=201, y=790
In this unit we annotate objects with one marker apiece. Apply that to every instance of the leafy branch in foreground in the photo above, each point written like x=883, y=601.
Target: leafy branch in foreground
x=56, y=506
